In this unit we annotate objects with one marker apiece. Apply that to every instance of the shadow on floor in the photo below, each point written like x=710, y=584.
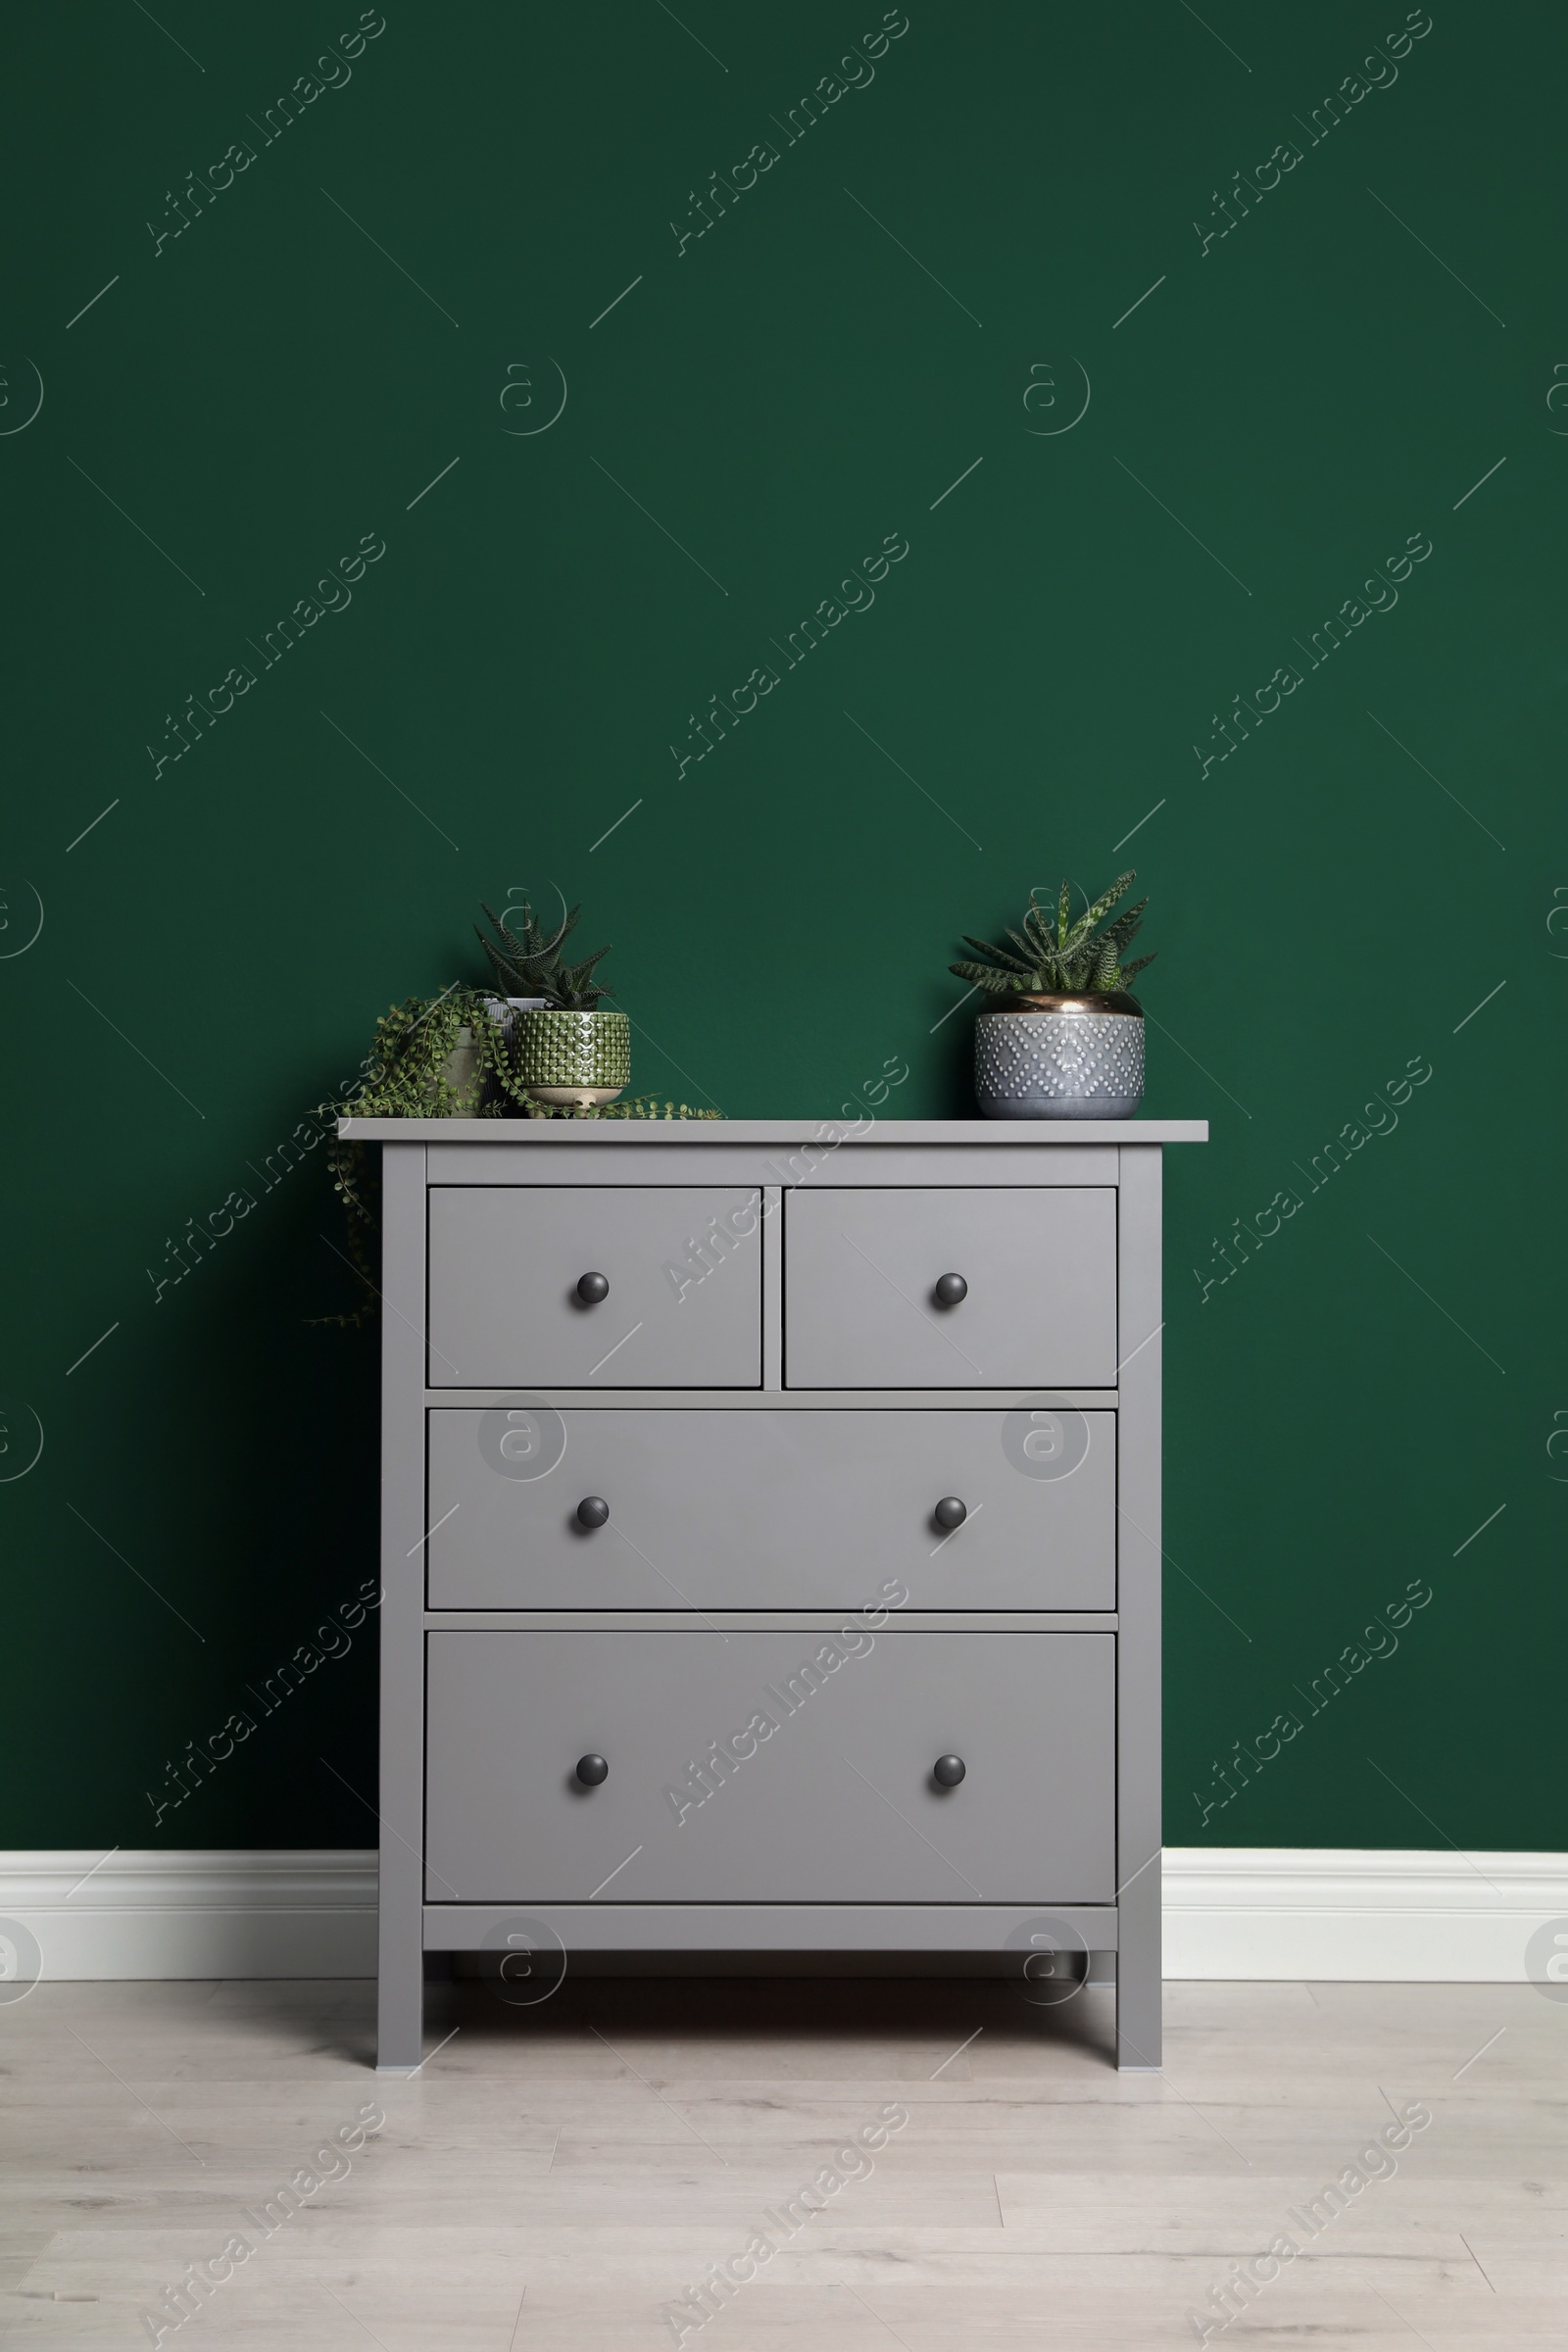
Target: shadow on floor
x=872, y=2026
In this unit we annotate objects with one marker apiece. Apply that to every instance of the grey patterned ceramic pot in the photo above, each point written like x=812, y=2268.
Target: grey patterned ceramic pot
x=1060, y=1057
x=575, y=1058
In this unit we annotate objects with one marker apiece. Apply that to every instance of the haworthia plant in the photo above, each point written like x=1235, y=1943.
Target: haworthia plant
x=530, y=963
x=1075, y=962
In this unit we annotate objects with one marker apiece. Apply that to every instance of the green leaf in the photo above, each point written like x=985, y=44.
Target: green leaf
x=1011, y=964
x=580, y=971
x=985, y=975
x=1126, y=924
x=1101, y=906
x=1041, y=945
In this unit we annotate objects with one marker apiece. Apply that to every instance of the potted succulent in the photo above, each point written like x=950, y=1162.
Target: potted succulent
x=567, y=1051
x=448, y=1057
x=1062, y=1039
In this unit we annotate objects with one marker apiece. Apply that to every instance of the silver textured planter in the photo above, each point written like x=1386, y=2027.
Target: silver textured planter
x=1060, y=1057
x=578, y=1059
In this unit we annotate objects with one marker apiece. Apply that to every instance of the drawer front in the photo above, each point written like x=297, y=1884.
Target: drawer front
x=835, y=1803
x=764, y=1509
x=505, y=1309
x=861, y=1270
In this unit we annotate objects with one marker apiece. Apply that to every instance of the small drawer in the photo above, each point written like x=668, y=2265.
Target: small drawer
x=860, y=1276
x=507, y=1311
x=782, y=1768
x=784, y=1508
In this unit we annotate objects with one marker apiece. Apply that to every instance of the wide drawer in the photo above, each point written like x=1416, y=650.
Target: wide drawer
x=506, y=1311
x=861, y=1270
x=789, y=1768
x=770, y=1510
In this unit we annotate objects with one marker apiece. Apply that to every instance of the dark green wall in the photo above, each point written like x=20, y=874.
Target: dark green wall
x=1288, y=406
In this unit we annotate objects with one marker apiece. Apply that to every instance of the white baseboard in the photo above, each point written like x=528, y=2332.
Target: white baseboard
x=1356, y=1914
x=276, y=1913
x=1352, y=1914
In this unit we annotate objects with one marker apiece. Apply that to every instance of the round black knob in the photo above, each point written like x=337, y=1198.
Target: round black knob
x=951, y=1512
x=946, y=1771
x=591, y=1770
x=592, y=1511
x=593, y=1289
x=951, y=1290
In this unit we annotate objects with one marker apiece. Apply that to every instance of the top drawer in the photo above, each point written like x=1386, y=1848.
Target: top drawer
x=505, y=1309
x=1038, y=1310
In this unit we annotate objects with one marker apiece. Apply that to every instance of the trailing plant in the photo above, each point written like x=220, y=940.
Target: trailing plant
x=403, y=1076
x=1077, y=960
x=528, y=962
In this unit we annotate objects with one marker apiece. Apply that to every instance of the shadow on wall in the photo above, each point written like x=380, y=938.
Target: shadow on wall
x=269, y=1477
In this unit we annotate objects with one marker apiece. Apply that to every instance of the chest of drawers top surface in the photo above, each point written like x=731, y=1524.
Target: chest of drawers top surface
x=862, y=1131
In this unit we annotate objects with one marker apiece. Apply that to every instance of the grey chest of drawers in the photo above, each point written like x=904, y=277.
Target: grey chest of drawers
x=770, y=1529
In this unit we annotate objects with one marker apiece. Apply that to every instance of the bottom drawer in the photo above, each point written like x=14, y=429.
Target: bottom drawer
x=778, y=1767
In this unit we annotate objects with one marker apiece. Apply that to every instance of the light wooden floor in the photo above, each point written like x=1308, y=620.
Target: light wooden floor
x=557, y=2175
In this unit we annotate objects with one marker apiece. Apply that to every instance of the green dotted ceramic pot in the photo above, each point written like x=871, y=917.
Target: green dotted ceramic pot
x=580, y=1059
